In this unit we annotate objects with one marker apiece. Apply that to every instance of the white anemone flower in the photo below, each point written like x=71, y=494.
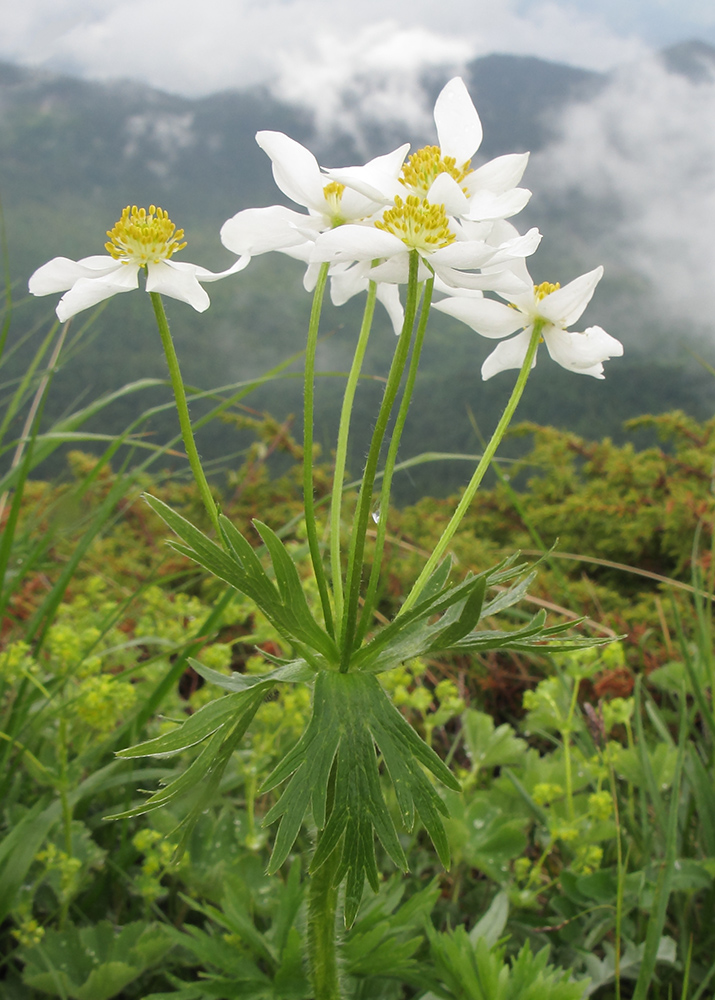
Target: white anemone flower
x=330, y=204
x=445, y=251
x=557, y=308
x=140, y=239
x=443, y=174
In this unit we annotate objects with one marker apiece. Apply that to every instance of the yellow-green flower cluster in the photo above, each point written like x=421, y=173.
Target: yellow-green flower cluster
x=103, y=700
x=17, y=662
x=158, y=854
x=67, y=867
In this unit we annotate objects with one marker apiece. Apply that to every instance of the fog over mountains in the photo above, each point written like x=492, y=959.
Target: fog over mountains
x=622, y=170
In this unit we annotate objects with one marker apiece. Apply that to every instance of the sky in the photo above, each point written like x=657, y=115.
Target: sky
x=304, y=47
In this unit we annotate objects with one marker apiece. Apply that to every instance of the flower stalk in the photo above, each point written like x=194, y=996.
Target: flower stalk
x=479, y=472
x=177, y=384
x=388, y=472
x=357, y=541
x=342, y=449
x=308, y=416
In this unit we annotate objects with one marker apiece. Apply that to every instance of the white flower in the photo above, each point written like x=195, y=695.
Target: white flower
x=139, y=239
x=415, y=224
x=556, y=307
x=443, y=174
x=330, y=205
x=298, y=175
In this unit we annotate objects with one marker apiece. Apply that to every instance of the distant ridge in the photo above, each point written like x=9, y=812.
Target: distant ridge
x=693, y=59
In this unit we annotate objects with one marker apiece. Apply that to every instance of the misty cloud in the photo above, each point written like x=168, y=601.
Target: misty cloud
x=635, y=168
x=196, y=49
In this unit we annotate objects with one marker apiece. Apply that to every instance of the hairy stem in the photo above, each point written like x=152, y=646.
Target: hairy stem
x=322, y=936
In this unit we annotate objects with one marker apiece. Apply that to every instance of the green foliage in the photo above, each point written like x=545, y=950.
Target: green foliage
x=93, y=963
x=351, y=714
x=479, y=972
x=571, y=813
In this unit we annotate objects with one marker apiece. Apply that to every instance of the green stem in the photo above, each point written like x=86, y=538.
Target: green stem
x=370, y=596
x=479, y=472
x=357, y=540
x=308, y=415
x=66, y=811
x=566, y=736
x=621, y=884
x=322, y=940
x=342, y=449
x=177, y=384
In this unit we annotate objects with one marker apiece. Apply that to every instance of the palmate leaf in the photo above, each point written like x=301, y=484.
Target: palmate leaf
x=293, y=672
x=352, y=716
x=446, y=622
x=437, y=599
x=284, y=602
x=226, y=725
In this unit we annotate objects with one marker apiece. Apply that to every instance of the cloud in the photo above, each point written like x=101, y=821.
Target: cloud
x=371, y=77
x=193, y=49
x=641, y=157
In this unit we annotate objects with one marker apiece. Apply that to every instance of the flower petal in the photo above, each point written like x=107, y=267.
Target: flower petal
x=205, y=275
x=354, y=207
x=377, y=179
x=445, y=191
x=503, y=281
x=582, y=352
x=310, y=278
x=88, y=292
x=564, y=306
x=60, y=273
x=259, y=230
x=485, y=205
x=356, y=243
x=463, y=253
x=347, y=281
x=177, y=280
x=508, y=354
x=295, y=169
x=498, y=175
x=396, y=270
x=484, y=316
x=301, y=252
x=389, y=295
x=515, y=250
x=459, y=129
x=464, y=291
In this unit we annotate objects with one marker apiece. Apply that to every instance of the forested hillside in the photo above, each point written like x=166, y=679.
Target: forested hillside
x=73, y=153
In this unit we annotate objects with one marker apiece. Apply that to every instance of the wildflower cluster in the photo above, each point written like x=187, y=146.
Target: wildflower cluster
x=364, y=221
x=435, y=224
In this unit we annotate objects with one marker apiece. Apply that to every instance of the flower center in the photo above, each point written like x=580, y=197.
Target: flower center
x=544, y=289
x=333, y=193
x=424, y=166
x=142, y=237
x=417, y=223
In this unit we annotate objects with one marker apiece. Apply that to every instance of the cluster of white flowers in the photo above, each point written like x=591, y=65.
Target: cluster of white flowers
x=364, y=222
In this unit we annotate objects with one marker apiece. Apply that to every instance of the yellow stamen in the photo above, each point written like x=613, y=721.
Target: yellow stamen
x=544, y=289
x=142, y=237
x=424, y=166
x=333, y=193
x=417, y=223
